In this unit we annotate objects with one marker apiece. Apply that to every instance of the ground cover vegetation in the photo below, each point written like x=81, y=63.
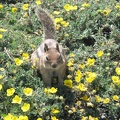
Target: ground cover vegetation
x=91, y=32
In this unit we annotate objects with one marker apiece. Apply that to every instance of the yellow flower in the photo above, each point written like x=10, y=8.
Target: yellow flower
x=67, y=7
x=100, y=53
x=91, y=77
x=118, y=83
x=56, y=12
x=17, y=99
x=81, y=87
x=64, y=23
x=28, y=91
x=10, y=117
x=57, y=26
x=14, y=9
x=66, y=35
x=25, y=7
x=1, y=77
x=38, y=2
x=70, y=63
x=25, y=56
x=85, y=98
x=2, y=30
x=53, y=118
x=0, y=86
x=85, y=5
x=98, y=98
x=1, y=36
x=78, y=76
x=58, y=20
x=39, y=119
x=117, y=7
x=18, y=61
x=74, y=7
x=81, y=66
x=90, y=61
x=115, y=79
x=10, y=91
x=1, y=6
x=72, y=55
x=53, y=90
x=21, y=117
x=55, y=111
x=92, y=118
x=115, y=97
x=25, y=107
x=68, y=83
x=106, y=11
x=117, y=70
x=84, y=118
x=105, y=101
x=46, y=90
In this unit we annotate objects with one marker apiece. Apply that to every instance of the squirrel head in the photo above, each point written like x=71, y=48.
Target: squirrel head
x=53, y=57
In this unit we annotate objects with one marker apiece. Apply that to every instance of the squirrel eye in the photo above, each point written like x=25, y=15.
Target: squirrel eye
x=47, y=58
x=59, y=58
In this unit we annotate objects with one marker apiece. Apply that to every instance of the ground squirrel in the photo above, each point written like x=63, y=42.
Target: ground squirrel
x=50, y=57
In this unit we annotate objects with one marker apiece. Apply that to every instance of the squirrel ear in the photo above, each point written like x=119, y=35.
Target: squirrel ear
x=57, y=47
x=45, y=47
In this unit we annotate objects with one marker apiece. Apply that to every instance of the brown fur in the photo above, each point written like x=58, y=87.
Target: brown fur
x=50, y=57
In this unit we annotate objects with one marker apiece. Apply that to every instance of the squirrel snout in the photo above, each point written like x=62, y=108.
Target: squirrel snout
x=54, y=65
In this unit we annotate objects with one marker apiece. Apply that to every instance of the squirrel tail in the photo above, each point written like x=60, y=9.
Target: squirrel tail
x=47, y=22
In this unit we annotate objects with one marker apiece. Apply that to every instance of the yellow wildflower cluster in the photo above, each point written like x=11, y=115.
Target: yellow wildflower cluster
x=115, y=78
x=85, y=5
x=14, y=9
x=10, y=91
x=100, y=53
x=70, y=62
x=117, y=6
x=19, y=61
x=25, y=6
x=25, y=107
x=55, y=111
x=38, y=2
x=0, y=86
x=117, y=70
x=68, y=83
x=69, y=7
x=89, y=118
x=51, y=90
x=106, y=11
x=28, y=91
x=61, y=21
x=81, y=87
x=17, y=99
x=2, y=30
x=78, y=76
x=1, y=6
x=53, y=118
x=90, y=61
x=91, y=76
x=13, y=117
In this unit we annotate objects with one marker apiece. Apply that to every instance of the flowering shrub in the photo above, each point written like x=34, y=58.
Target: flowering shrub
x=91, y=89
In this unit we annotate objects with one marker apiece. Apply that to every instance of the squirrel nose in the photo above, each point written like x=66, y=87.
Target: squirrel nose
x=54, y=65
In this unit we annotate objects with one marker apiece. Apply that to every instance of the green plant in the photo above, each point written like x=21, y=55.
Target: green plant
x=91, y=31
